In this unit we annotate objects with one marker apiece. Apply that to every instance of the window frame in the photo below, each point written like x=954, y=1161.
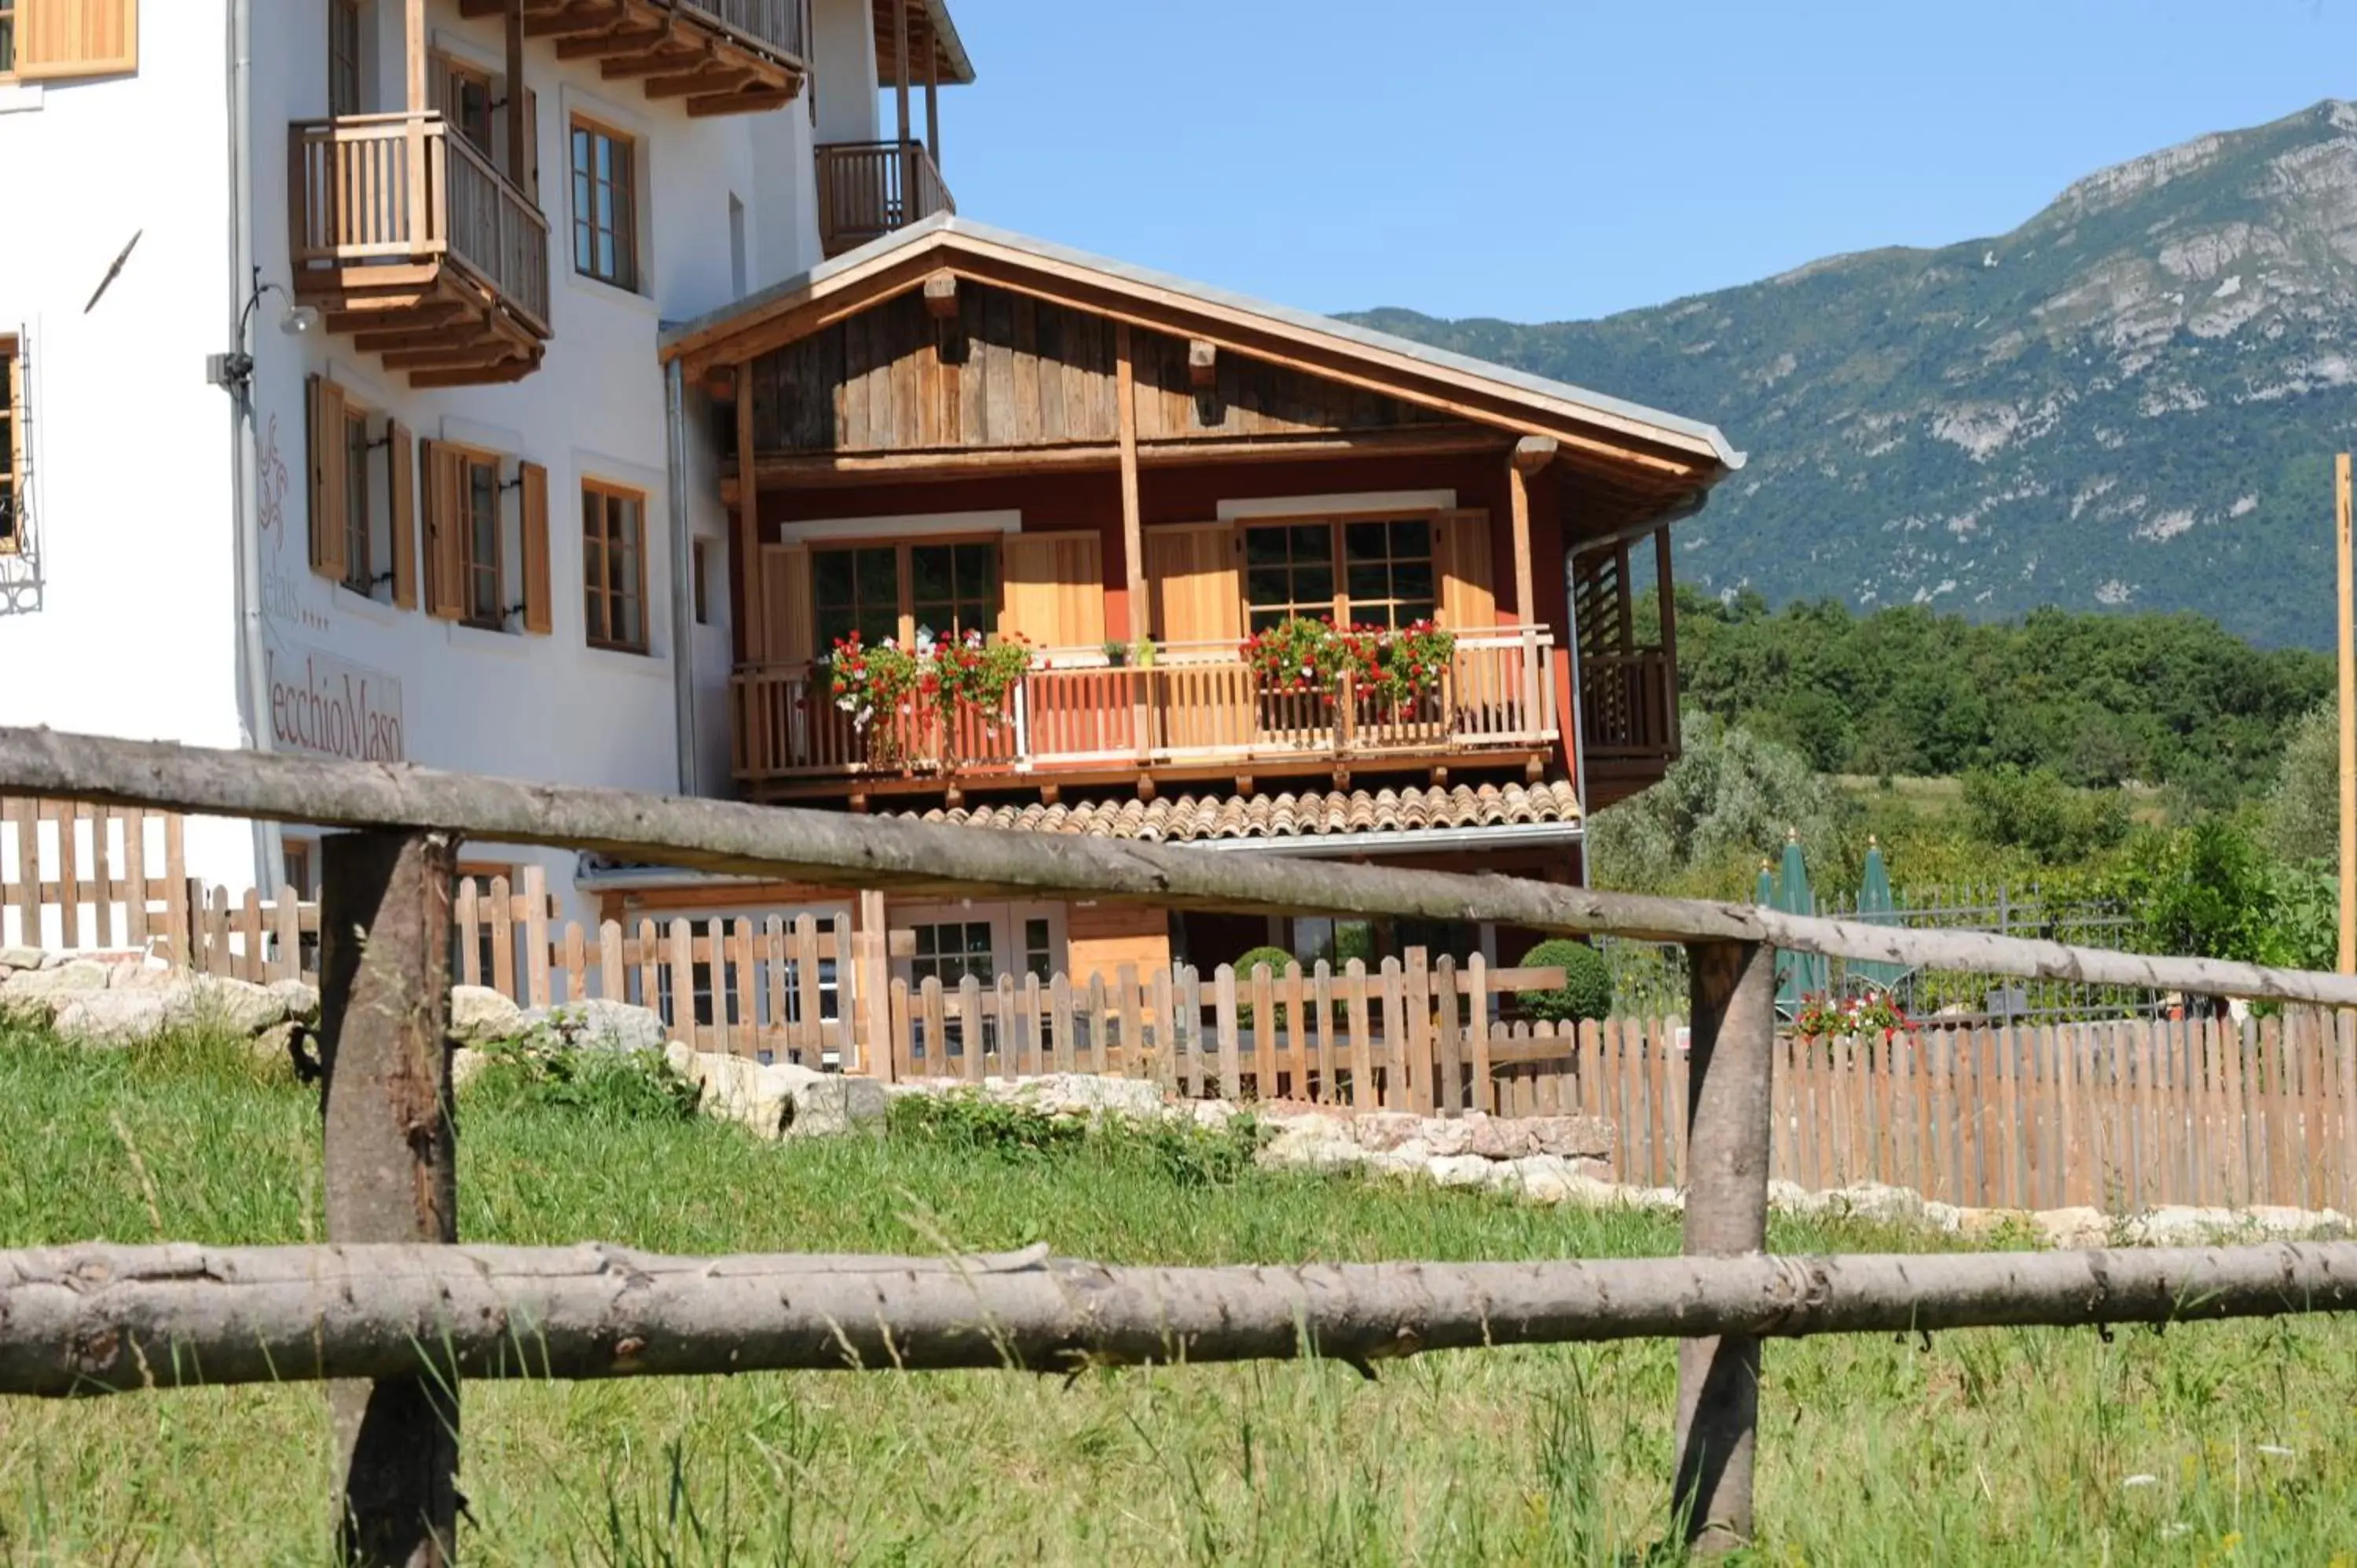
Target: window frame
x=622, y=189
x=453, y=73
x=1340, y=606
x=905, y=583
x=12, y=445
x=597, y=585
x=359, y=520
x=346, y=82
x=11, y=12
x=470, y=567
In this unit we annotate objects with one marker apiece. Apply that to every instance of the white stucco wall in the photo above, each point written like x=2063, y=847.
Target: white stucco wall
x=133, y=629
x=844, y=50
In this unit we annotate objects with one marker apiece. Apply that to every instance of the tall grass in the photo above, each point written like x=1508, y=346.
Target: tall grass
x=1989, y=1446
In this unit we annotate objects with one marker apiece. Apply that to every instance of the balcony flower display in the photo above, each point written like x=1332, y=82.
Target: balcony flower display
x=1396, y=667
x=952, y=678
x=1298, y=656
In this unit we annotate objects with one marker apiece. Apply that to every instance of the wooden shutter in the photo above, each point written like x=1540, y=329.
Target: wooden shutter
x=539, y=614
x=1460, y=558
x=446, y=575
x=329, y=497
x=1192, y=583
x=401, y=460
x=76, y=38
x=1055, y=588
x=786, y=591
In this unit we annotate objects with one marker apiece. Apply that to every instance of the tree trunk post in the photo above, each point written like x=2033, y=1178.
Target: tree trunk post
x=391, y=1156
x=1727, y=1130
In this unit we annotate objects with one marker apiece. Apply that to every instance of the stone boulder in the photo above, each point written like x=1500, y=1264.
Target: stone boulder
x=20, y=958
x=213, y=1002
x=299, y=997
x=595, y=1024
x=480, y=1016
x=783, y=1101
x=115, y=1017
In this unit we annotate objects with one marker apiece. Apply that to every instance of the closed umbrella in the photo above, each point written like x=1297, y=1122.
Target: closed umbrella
x=1877, y=907
x=1804, y=972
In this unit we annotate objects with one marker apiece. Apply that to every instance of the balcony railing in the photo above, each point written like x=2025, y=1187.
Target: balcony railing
x=1627, y=711
x=868, y=188
x=1193, y=705
x=780, y=27
x=385, y=190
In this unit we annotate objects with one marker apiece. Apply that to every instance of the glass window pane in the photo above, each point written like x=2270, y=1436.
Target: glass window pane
x=1268, y=585
x=977, y=570
x=1412, y=536
x=1363, y=541
x=1413, y=580
x=1313, y=589
x=831, y=577
x=929, y=573
x=1264, y=546
x=1311, y=541
x=1411, y=610
x=1263, y=619
x=880, y=577
x=878, y=623
x=1369, y=584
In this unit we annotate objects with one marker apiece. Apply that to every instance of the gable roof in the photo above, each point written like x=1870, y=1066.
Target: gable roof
x=1686, y=454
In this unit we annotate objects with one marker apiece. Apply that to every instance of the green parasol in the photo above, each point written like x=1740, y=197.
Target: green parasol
x=1877, y=907
x=1798, y=975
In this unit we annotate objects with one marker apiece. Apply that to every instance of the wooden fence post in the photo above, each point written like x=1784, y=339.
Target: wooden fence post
x=391, y=1156
x=1731, y=1064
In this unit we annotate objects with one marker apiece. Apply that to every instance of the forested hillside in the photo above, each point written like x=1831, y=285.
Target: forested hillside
x=2128, y=403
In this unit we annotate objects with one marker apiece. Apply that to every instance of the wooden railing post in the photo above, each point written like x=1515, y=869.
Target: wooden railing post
x=1727, y=1131
x=391, y=1158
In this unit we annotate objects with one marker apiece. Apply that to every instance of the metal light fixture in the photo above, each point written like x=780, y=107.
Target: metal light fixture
x=236, y=369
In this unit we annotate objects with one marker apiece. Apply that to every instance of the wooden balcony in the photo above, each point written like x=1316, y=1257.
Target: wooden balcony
x=1628, y=721
x=870, y=189
x=405, y=236
x=717, y=57
x=1196, y=708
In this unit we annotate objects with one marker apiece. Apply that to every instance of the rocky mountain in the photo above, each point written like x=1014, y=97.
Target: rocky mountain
x=2130, y=401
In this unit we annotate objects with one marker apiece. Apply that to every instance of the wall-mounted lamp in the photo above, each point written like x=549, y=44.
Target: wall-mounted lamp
x=236, y=369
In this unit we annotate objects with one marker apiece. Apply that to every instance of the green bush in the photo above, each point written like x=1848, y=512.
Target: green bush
x=1019, y=1133
x=1586, y=990
x=606, y=1086
x=1278, y=961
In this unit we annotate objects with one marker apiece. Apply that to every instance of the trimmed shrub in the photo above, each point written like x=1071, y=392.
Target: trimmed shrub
x=1586, y=990
x=1278, y=961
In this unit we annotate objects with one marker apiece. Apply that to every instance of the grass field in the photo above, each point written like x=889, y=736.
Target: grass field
x=2208, y=1445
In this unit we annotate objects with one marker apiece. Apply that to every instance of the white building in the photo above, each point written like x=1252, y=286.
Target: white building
x=448, y=510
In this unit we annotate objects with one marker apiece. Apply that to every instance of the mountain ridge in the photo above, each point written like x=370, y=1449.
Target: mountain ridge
x=2128, y=401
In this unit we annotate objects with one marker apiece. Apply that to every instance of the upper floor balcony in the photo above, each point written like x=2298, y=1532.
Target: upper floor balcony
x=870, y=189
x=1196, y=708
x=717, y=57
x=405, y=235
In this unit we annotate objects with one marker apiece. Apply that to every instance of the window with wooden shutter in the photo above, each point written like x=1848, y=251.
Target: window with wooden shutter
x=330, y=493
x=1461, y=556
x=12, y=447
x=539, y=613
x=786, y=589
x=1055, y=589
x=57, y=39
x=1193, y=589
x=445, y=556
x=400, y=494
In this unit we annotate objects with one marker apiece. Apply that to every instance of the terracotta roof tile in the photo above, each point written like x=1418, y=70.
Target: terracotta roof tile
x=1322, y=814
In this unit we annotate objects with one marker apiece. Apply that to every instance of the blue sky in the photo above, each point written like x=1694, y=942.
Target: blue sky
x=1551, y=159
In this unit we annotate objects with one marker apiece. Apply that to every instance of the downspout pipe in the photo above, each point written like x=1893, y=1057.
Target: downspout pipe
x=245, y=464
x=682, y=572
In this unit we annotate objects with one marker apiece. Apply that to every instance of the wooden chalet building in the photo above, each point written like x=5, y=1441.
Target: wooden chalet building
x=955, y=428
